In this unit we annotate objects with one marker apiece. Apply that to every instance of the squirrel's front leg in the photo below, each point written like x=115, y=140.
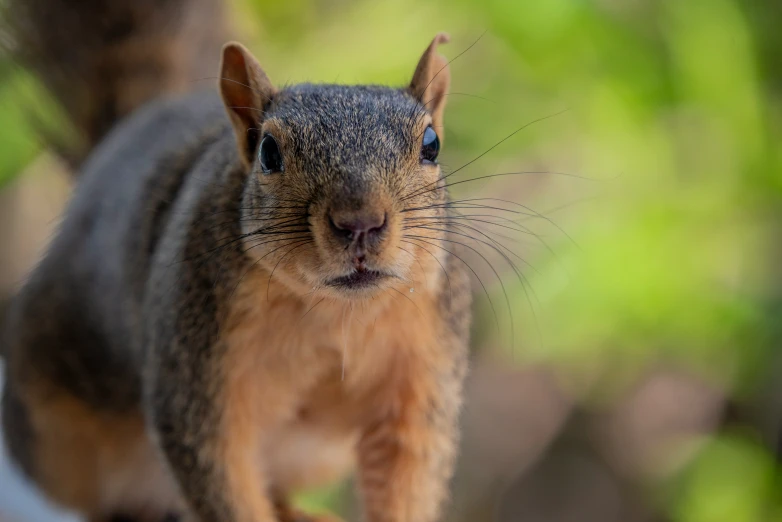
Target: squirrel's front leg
x=208, y=419
x=406, y=455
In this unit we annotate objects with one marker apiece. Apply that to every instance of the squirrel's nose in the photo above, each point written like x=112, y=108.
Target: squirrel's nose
x=357, y=225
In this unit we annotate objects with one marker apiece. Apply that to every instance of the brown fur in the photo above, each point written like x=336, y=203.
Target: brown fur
x=97, y=463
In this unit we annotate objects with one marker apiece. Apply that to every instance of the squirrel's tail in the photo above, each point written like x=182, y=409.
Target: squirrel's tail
x=101, y=59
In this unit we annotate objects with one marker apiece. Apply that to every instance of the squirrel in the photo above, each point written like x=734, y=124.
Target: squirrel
x=249, y=293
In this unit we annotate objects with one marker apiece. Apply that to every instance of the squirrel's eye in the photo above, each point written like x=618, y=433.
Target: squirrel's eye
x=430, y=146
x=269, y=155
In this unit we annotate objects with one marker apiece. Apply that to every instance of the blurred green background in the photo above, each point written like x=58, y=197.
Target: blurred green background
x=657, y=247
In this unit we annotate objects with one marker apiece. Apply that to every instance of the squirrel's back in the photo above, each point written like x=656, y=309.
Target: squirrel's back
x=91, y=282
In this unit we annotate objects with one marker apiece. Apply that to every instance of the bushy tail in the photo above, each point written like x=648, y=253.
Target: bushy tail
x=101, y=59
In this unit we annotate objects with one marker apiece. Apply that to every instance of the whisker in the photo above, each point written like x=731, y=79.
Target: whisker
x=255, y=264
x=496, y=274
x=468, y=227
x=480, y=281
x=447, y=277
x=489, y=176
x=426, y=280
x=269, y=283
x=406, y=297
x=503, y=140
x=472, y=217
x=537, y=214
x=524, y=281
x=311, y=308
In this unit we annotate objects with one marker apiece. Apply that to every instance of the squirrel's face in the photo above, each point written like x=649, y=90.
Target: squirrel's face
x=336, y=177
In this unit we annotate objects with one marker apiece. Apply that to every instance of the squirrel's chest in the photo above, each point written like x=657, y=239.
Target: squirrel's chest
x=300, y=344
x=315, y=444
x=313, y=373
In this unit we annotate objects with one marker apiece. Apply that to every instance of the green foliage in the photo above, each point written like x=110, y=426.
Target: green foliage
x=709, y=491
x=19, y=145
x=26, y=114
x=674, y=258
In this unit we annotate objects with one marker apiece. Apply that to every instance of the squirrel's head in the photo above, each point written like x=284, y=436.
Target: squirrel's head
x=337, y=175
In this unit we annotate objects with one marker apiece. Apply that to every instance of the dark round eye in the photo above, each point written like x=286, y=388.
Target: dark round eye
x=430, y=146
x=269, y=155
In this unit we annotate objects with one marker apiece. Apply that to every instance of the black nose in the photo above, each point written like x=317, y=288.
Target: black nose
x=359, y=225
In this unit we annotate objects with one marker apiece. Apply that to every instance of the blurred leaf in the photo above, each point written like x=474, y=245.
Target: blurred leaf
x=732, y=480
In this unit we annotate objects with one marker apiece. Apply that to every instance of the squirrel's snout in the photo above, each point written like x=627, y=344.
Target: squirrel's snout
x=352, y=225
x=362, y=228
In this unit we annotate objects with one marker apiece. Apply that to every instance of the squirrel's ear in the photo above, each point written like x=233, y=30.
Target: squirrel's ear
x=246, y=91
x=431, y=80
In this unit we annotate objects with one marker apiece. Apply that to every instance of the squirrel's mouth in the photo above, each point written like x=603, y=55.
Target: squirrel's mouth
x=358, y=279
